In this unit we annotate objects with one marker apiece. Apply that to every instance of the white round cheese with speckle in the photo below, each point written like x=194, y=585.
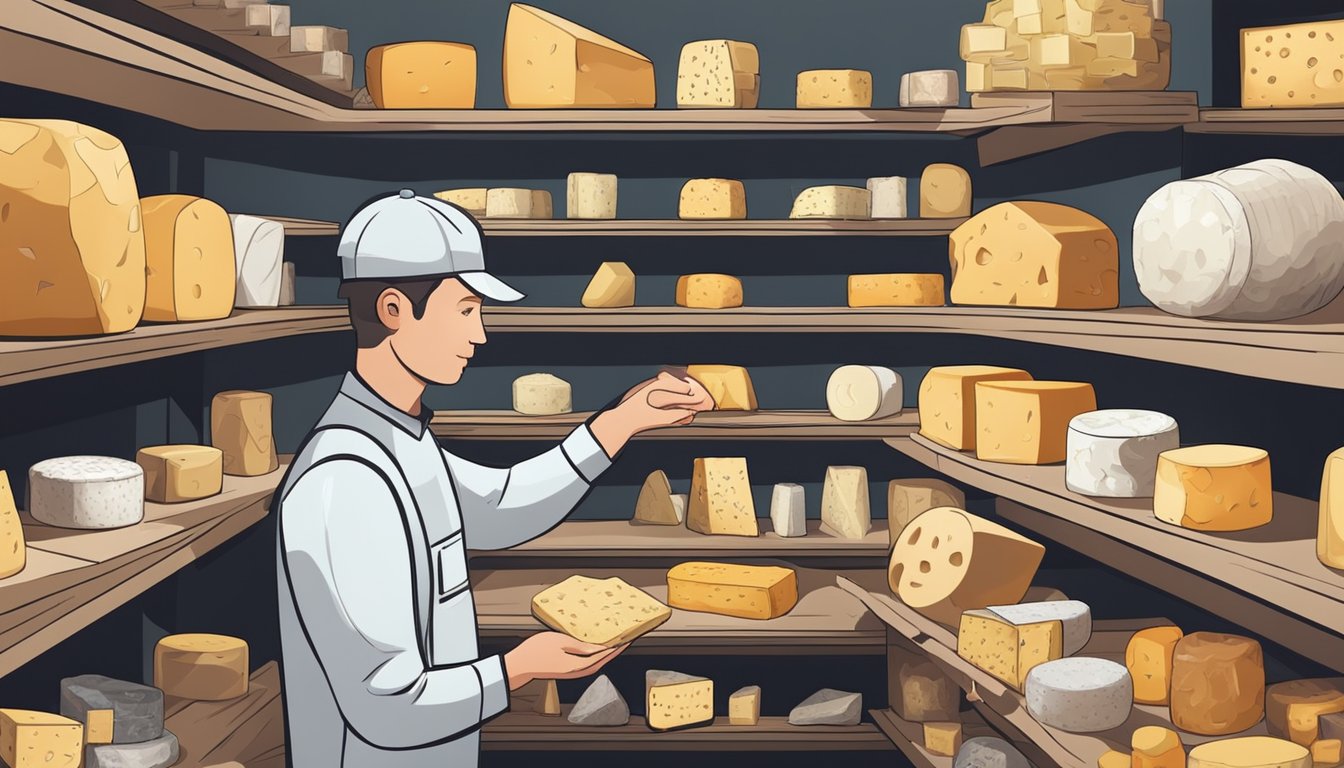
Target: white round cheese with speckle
x=86, y=492
x=1113, y=453
x=1080, y=695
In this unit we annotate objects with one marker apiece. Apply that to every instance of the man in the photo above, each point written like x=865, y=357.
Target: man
x=377, y=621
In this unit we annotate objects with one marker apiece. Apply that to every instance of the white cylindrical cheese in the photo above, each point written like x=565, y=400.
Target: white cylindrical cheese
x=863, y=392
x=788, y=510
x=259, y=253
x=86, y=492
x=1262, y=241
x=1080, y=695
x=541, y=394
x=1113, y=453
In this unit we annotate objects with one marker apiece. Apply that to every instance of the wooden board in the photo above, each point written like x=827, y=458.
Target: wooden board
x=908, y=737
x=721, y=425
x=296, y=227
x=1113, y=107
x=1281, y=122
x=738, y=228
x=1267, y=578
x=249, y=729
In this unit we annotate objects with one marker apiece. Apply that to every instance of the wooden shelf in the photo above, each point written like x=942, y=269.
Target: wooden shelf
x=908, y=737
x=738, y=228
x=1267, y=578
x=249, y=729
x=1282, y=122
x=826, y=621
x=720, y=425
x=295, y=227
x=74, y=577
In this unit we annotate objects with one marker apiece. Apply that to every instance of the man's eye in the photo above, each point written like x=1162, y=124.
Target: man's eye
x=467, y=312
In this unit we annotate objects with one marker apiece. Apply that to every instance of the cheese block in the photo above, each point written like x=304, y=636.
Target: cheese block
x=1062, y=50
x=469, y=199
x=864, y=392
x=942, y=738
x=514, y=203
x=551, y=62
x=917, y=688
x=1327, y=752
x=1214, y=488
x=190, y=267
x=1027, y=422
x=30, y=739
x=655, y=506
x=1281, y=65
x=590, y=195
x=258, y=252
x=983, y=42
x=542, y=394
x=989, y=752
x=267, y=19
x=98, y=726
x=720, y=500
x=718, y=73
x=1262, y=241
x=835, y=88
x=897, y=290
x=1293, y=709
x=944, y=192
x=612, y=286
x=1249, y=752
x=675, y=700
x=287, y=281
x=948, y=561
x=422, y=75
x=88, y=492
x=831, y=201
x=1217, y=684
x=600, y=704
x=1113, y=453
x=113, y=711
x=908, y=499
x=1074, y=617
x=888, y=197
x=73, y=244
x=548, y=701
x=744, y=706
x=931, y=88
x=1035, y=254
x=845, y=511
x=606, y=612
x=1330, y=530
x=947, y=401
x=13, y=551
x=828, y=707
x=744, y=591
x=1157, y=747
x=712, y=199
x=160, y=752
x=729, y=385
x=176, y=473
x=240, y=427
x=788, y=512
x=1148, y=657
x=709, y=291
x=310, y=38
x=1007, y=641
x=1112, y=759
x=1080, y=695
x=201, y=667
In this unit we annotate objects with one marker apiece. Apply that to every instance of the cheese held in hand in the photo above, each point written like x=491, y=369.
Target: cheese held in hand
x=729, y=385
x=606, y=612
x=1214, y=488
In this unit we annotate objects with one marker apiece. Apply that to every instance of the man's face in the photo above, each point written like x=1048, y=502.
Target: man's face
x=436, y=347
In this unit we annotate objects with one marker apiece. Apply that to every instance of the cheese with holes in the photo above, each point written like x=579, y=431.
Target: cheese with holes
x=113, y=711
x=176, y=473
x=1250, y=752
x=1035, y=254
x=70, y=231
x=612, y=286
x=514, y=203
x=908, y=499
x=930, y=88
x=744, y=706
x=942, y=738
x=287, y=279
x=718, y=73
x=13, y=551
x=720, y=500
x=422, y=75
x=944, y=192
x=1294, y=65
x=948, y=561
x=788, y=511
x=1214, y=488
x=259, y=252
x=1007, y=641
x=469, y=199
x=1330, y=531
x=202, y=667
x=1148, y=657
x=831, y=202
x=744, y=591
x=1027, y=422
x=1157, y=747
x=834, y=88
x=709, y=291
x=551, y=62
x=542, y=394
x=30, y=739
x=655, y=505
x=1217, y=683
x=917, y=688
x=1293, y=709
x=590, y=195
x=888, y=197
x=606, y=612
x=240, y=427
x=675, y=700
x=712, y=199
x=88, y=492
x=947, y=402
x=897, y=290
x=190, y=267
x=845, y=510
x=1113, y=453
x=1080, y=695
x=864, y=392
x=729, y=385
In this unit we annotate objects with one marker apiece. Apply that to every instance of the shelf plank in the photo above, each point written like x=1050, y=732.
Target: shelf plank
x=296, y=227
x=249, y=729
x=826, y=621
x=1268, y=578
x=721, y=425
x=1282, y=122
x=908, y=737
x=737, y=228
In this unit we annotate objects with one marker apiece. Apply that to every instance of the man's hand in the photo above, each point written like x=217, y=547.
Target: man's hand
x=555, y=656
x=663, y=401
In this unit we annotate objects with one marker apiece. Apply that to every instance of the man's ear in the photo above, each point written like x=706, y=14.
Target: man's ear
x=392, y=307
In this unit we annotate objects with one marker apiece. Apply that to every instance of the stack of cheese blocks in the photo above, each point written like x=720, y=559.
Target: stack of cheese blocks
x=1067, y=45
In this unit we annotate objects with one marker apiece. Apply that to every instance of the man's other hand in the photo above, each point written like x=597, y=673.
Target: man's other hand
x=663, y=401
x=555, y=656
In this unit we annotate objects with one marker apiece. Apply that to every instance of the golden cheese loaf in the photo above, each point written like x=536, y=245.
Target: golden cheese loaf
x=744, y=591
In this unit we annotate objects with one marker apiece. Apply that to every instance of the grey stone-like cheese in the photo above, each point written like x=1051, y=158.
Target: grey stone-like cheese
x=1080, y=695
x=156, y=753
x=828, y=707
x=989, y=752
x=601, y=704
x=137, y=710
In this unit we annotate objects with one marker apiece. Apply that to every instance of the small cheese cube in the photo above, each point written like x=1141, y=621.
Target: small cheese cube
x=844, y=503
x=947, y=401
x=1027, y=422
x=1060, y=51
x=1009, y=78
x=612, y=286
x=267, y=19
x=1327, y=752
x=98, y=726
x=1112, y=759
x=709, y=291
x=1126, y=45
x=469, y=199
x=590, y=195
x=1249, y=752
x=201, y=667
x=1217, y=684
x=240, y=427
x=729, y=385
x=1214, y=488
x=835, y=88
x=422, y=75
x=982, y=42
x=932, y=88
x=675, y=700
x=1330, y=530
x=512, y=203
x=654, y=505
x=190, y=271
x=712, y=199
x=31, y=739
x=942, y=738
x=1157, y=747
x=1293, y=709
x=176, y=473
x=944, y=192
x=744, y=706
x=551, y=62
x=887, y=197
x=978, y=77
x=542, y=394
x=1113, y=68
x=13, y=551
x=908, y=499
x=1148, y=656
x=744, y=591
x=600, y=611
x=831, y=202
x=720, y=500
x=788, y=512
x=718, y=73
x=897, y=290
x=314, y=39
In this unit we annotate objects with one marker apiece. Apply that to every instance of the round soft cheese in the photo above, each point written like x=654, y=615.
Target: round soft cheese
x=1250, y=752
x=542, y=394
x=863, y=392
x=1114, y=452
x=86, y=492
x=1080, y=695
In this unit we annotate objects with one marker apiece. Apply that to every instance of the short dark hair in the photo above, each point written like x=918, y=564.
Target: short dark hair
x=362, y=296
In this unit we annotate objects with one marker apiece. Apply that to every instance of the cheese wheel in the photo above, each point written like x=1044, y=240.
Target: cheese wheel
x=1293, y=709
x=161, y=751
x=590, y=195
x=944, y=192
x=745, y=591
x=1217, y=684
x=515, y=203
x=845, y=512
x=1148, y=657
x=13, y=552
x=259, y=253
x=89, y=492
x=550, y=62
x=709, y=291
x=718, y=73
x=240, y=427
x=897, y=290
x=930, y=88
x=1250, y=752
x=612, y=286
x=1113, y=453
x=831, y=201
x=947, y=401
x=729, y=385
x=202, y=667
x=1080, y=695
x=864, y=392
x=788, y=512
x=542, y=394
x=1330, y=531
x=888, y=197
x=834, y=88
x=176, y=473
x=712, y=199
x=1026, y=422
x=190, y=264
x=1261, y=241
x=1214, y=488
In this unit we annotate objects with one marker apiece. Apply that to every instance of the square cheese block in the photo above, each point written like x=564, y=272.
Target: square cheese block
x=1061, y=51
x=1027, y=422
x=176, y=473
x=674, y=700
x=709, y=291
x=469, y=199
x=835, y=88
x=887, y=197
x=551, y=62
x=13, y=550
x=606, y=612
x=421, y=75
x=712, y=199
x=314, y=38
x=1148, y=656
x=1008, y=640
x=513, y=203
x=947, y=401
x=944, y=192
x=1214, y=487
x=845, y=512
x=202, y=667
x=979, y=77
x=542, y=394
x=1330, y=530
x=1293, y=709
x=788, y=510
x=931, y=88
x=612, y=287
x=942, y=738
x=655, y=505
x=1113, y=759
x=729, y=385
x=1126, y=45
x=190, y=266
x=897, y=290
x=831, y=201
x=266, y=19
x=744, y=706
x=721, y=500
x=983, y=42
x=590, y=195
x=1292, y=65
x=98, y=726
x=908, y=499
x=86, y=492
x=744, y=591
x=240, y=427
x=30, y=739
x=259, y=255
x=1327, y=752
x=718, y=73
x=74, y=246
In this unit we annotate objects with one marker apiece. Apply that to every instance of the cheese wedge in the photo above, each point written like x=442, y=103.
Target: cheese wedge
x=190, y=265
x=551, y=62
x=721, y=500
x=744, y=706
x=709, y=291
x=421, y=75
x=745, y=591
x=612, y=286
x=606, y=612
x=13, y=551
x=845, y=511
x=947, y=401
x=729, y=385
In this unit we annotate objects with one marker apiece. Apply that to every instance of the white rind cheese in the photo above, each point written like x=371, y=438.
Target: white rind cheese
x=889, y=197
x=89, y=492
x=542, y=394
x=864, y=392
x=1074, y=615
x=931, y=88
x=1113, y=453
x=259, y=254
x=788, y=511
x=1080, y=695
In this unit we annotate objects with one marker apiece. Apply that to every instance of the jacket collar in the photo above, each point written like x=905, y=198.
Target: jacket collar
x=358, y=390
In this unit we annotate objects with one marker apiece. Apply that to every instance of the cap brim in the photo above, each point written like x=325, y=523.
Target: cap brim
x=489, y=286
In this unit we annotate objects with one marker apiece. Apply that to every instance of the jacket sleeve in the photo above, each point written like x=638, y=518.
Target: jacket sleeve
x=503, y=507
x=349, y=566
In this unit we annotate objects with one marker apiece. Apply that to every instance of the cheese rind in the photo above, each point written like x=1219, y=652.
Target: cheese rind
x=86, y=492
x=1214, y=488
x=845, y=511
x=744, y=706
x=864, y=392
x=675, y=700
x=729, y=385
x=1293, y=709
x=190, y=265
x=542, y=394
x=888, y=197
x=834, y=88
x=515, y=203
x=788, y=513
x=1217, y=684
x=655, y=506
x=202, y=667
x=745, y=591
x=1330, y=530
x=590, y=195
x=1027, y=422
x=259, y=252
x=31, y=739
x=712, y=199
x=897, y=290
x=1148, y=657
x=908, y=499
x=133, y=712
x=606, y=612
x=831, y=201
x=551, y=62
x=942, y=738
x=944, y=192
x=13, y=551
x=930, y=88
x=612, y=286
x=947, y=401
x=1080, y=695
x=1113, y=453
x=1292, y=65
x=1249, y=752
x=176, y=473
x=720, y=501
x=469, y=199
x=1074, y=616
x=240, y=427
x=718, y=73
x=422, y=75
x=709, y=291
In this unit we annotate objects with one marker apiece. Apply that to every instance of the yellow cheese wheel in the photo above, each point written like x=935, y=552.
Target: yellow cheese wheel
x=1214, y=487
x=1250, y=752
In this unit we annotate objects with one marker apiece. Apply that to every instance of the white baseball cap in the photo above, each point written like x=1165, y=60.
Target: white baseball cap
x=408, y=237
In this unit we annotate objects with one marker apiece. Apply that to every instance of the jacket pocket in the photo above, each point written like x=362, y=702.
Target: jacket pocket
x=450, y=566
